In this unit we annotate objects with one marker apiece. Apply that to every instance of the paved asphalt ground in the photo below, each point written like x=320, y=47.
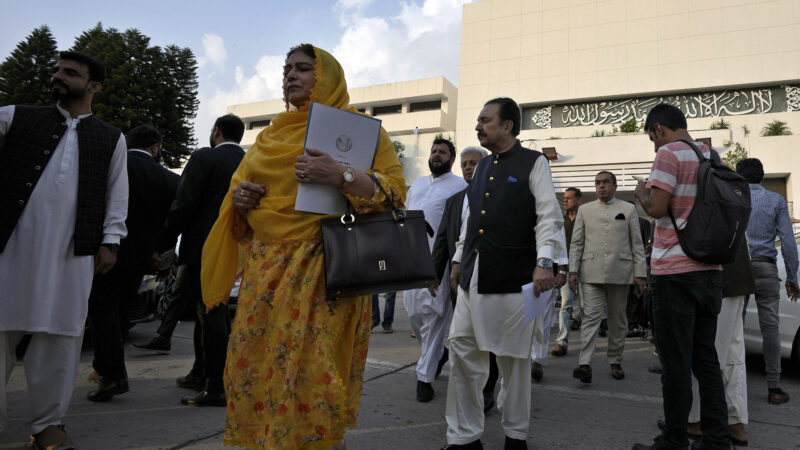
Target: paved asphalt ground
x=608, y=414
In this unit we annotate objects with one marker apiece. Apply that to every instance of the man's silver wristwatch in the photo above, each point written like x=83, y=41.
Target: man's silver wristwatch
x=544, y=263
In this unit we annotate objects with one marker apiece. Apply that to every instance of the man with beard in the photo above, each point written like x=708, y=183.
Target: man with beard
x=65, y=197
x=430, y=313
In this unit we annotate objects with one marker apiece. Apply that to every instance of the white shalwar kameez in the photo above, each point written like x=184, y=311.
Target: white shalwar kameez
x=484, y=323
x=430, y=316
x=545, y=320
x=44, y=286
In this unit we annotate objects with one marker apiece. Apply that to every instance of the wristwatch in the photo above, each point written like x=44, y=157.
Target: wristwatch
x=544, y=263
x=563, y=271
x=349, y=176
x=113, y=247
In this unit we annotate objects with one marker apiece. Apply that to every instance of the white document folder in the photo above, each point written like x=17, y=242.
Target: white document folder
x=351, y=139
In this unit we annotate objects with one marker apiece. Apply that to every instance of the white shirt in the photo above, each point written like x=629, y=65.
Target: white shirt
x=45, y=287
x=430, y=195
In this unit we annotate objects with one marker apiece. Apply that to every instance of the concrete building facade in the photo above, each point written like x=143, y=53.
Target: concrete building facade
x=581, y=68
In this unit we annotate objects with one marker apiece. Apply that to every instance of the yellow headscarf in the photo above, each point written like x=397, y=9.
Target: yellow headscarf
x=270, y=161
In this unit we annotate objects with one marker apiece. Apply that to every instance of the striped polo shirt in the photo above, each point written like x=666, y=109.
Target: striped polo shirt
x=675, y=171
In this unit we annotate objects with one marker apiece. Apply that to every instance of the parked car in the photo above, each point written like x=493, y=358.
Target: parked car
x=789, y=325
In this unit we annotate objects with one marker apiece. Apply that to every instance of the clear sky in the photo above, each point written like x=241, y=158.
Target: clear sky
x=240, y=45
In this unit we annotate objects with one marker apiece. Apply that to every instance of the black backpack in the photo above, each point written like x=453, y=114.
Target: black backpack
x=716, y=225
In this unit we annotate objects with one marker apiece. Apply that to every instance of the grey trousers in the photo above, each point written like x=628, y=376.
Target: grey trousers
x=767, y=296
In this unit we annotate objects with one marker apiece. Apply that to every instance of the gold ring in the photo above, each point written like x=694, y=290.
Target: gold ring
x=241, y=193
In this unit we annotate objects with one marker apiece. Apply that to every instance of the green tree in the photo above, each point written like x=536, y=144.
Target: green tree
x=776, y=128
x=146, y=85
x=629, y=126
x=734, y=155
x=25, y=74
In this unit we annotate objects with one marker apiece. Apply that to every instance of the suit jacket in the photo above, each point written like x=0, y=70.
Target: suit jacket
x=607, y=243
x=446, y=237
x=204, y=184
x=151, y=190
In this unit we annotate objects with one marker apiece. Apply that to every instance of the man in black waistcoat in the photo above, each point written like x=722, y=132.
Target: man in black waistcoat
x=512, y=233
x=204, y=184
x=445, y=246
x=151, y=190
x=64, y=201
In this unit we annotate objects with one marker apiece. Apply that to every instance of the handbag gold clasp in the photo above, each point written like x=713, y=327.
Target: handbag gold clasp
x=399, y=214
x=345, y=221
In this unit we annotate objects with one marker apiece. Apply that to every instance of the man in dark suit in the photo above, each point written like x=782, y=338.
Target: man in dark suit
x=151, y=189
x=204, y=183
x=445, y=246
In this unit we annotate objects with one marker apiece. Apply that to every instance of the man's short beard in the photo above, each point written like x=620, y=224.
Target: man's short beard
x=70, y=94
x=441, y=169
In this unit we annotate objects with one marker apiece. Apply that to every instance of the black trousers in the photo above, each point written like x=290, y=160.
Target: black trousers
x=211, y=328
x=108, y=301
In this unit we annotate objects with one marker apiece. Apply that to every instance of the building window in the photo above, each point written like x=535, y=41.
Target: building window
x=388, y=109
x=425, y=106
x=258, y=124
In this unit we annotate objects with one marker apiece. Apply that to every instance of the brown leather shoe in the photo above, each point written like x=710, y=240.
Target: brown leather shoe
x=583, y=373
x=777, y=396
x=94, y=377
x=560, y=350
x=53, y=437
x=738, y=434
x=617, y=372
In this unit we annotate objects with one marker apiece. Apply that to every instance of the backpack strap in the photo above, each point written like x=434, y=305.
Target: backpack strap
x=702, y=158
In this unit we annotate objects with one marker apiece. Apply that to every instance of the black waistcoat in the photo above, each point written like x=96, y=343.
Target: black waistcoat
x=30, y=142
x=502, y=217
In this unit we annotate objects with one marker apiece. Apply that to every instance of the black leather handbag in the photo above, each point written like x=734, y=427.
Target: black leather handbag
x=376, y=252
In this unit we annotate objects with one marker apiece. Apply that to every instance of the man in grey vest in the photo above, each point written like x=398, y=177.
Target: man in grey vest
x=65, y=198
x=513, y=228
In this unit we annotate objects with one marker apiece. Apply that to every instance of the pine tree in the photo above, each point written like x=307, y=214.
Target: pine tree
x=146, y=86
x=25, y=74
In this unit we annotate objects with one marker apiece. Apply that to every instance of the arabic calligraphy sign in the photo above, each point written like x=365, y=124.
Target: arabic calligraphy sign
x=732, y=102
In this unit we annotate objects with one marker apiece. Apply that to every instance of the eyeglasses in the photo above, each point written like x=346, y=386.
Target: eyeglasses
x=603, y=181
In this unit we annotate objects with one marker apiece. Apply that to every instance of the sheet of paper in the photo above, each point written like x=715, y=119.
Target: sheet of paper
x=534, y=305
x=351, y=139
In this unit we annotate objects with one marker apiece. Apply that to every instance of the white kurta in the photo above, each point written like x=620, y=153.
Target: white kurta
x=430, y=195
x=545, y=320
x=45, y=287
x=429, y=315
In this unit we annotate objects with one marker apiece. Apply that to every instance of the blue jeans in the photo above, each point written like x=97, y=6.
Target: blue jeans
x=388, y=309
x=685, y=308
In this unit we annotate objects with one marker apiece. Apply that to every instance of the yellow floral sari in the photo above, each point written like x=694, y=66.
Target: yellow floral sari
x=295, y=360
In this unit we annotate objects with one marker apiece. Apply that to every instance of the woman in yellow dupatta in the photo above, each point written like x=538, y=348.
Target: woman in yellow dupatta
x=295, y=360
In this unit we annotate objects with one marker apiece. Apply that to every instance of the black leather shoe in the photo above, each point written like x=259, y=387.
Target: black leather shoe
x=424, y=392
x=515, y=444
x=191, y=381
x=474, y=445
x=108, y=389
x=206, y=398
x=158, y=344
x=560, y=350
x=488, y=402
x=583, y=373
x=442, y=361
x=536, y=371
